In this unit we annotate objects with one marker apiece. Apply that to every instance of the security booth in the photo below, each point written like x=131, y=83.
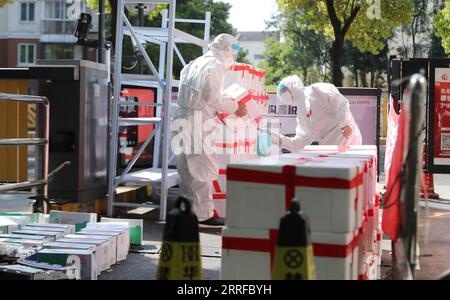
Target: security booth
x=437, y=73
x=77, y=91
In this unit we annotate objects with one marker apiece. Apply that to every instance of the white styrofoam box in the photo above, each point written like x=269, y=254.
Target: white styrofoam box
x=355, y=151
x=93, y=248
x=25, y=243
x=236, y=92
x=51, y=234
x=361, y=195
x=27, y=217
x=370, y=158
x=68, y=228
x=42, y=238
x=246, y=254
x=122, y=232
x=260, y=204
x=67, y=256
x=75, y=218
x=121, y=241
x=102, y=253
x=136, y=228
x=111, y=241
x=11, y=223
x=61, y=231
x=220, y=204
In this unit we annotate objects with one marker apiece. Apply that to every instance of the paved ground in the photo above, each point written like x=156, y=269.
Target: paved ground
x=434, y=240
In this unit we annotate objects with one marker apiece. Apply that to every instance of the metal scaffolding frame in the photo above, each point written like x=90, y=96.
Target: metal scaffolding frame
x=41, y=143
x=166, y=36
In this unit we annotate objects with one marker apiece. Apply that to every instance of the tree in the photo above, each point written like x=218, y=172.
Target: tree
x=418, y=26
x=301, y=50
x=4, y=2
x=442, y=26
x=366, y=64
x=365, y=23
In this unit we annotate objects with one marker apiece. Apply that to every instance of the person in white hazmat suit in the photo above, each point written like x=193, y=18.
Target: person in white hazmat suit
x=200, y=92
x=323, y=115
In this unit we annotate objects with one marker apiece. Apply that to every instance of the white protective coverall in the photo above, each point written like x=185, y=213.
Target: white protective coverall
x=322, y=113
x=201, y=87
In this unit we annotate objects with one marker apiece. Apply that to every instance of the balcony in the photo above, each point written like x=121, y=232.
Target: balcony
x=58, y=26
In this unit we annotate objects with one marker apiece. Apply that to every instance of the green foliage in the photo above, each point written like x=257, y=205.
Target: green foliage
x=93, y=4
x=4, y=2
x=442, y=26
x=301, y=51
x=367, y=32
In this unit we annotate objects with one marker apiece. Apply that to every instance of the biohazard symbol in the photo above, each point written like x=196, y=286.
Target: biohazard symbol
x=166, y=252
x=293, y=259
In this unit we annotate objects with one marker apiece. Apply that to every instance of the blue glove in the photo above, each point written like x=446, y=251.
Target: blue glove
x=263, y=144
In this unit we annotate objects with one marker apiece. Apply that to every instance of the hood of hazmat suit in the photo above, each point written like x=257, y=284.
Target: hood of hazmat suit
x=200, y=99
x=322, y=112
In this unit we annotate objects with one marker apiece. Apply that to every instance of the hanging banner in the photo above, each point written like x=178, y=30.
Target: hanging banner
x=442, y=117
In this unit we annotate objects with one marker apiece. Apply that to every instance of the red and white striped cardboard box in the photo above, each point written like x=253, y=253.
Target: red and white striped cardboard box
x=260, y=191
x=247, y=254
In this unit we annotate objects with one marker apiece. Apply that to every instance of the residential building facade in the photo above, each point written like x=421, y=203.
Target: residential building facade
x=253, y=42
x=41, y=29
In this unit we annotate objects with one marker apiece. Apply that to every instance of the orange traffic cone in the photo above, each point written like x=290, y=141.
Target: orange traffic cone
x=429, y=185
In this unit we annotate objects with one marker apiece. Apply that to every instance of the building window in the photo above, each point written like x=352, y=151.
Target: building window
x=258, y=56
x=62, y=51
x=27, y=11
x=26, y=54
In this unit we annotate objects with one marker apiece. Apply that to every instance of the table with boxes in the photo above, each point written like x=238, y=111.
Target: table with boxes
x=336, y=189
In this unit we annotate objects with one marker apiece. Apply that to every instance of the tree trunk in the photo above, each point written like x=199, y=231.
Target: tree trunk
x=356, y=77
x=336, y=55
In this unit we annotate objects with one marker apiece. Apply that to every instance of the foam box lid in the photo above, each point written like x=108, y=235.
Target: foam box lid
x=305, y=165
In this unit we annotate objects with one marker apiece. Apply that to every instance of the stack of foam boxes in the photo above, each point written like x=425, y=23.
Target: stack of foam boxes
x=370, y=233
x=243, y=83
x=334, y=190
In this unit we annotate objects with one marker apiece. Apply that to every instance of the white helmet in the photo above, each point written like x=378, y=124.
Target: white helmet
x=289, y=89
x=226, y=48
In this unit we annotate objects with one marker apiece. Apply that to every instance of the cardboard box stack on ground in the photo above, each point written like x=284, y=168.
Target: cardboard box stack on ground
x=136, y=228
x=243, y=83
x=78, y=219
x=333, y=193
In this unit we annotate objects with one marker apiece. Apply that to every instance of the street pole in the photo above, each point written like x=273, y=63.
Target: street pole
x=101, y=31
x=140, y=67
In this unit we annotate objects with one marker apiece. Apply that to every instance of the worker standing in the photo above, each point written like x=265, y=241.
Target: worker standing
x=323, y=115
x=201, y=91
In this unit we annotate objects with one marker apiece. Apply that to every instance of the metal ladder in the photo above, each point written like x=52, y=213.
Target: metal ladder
x=166, y=37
